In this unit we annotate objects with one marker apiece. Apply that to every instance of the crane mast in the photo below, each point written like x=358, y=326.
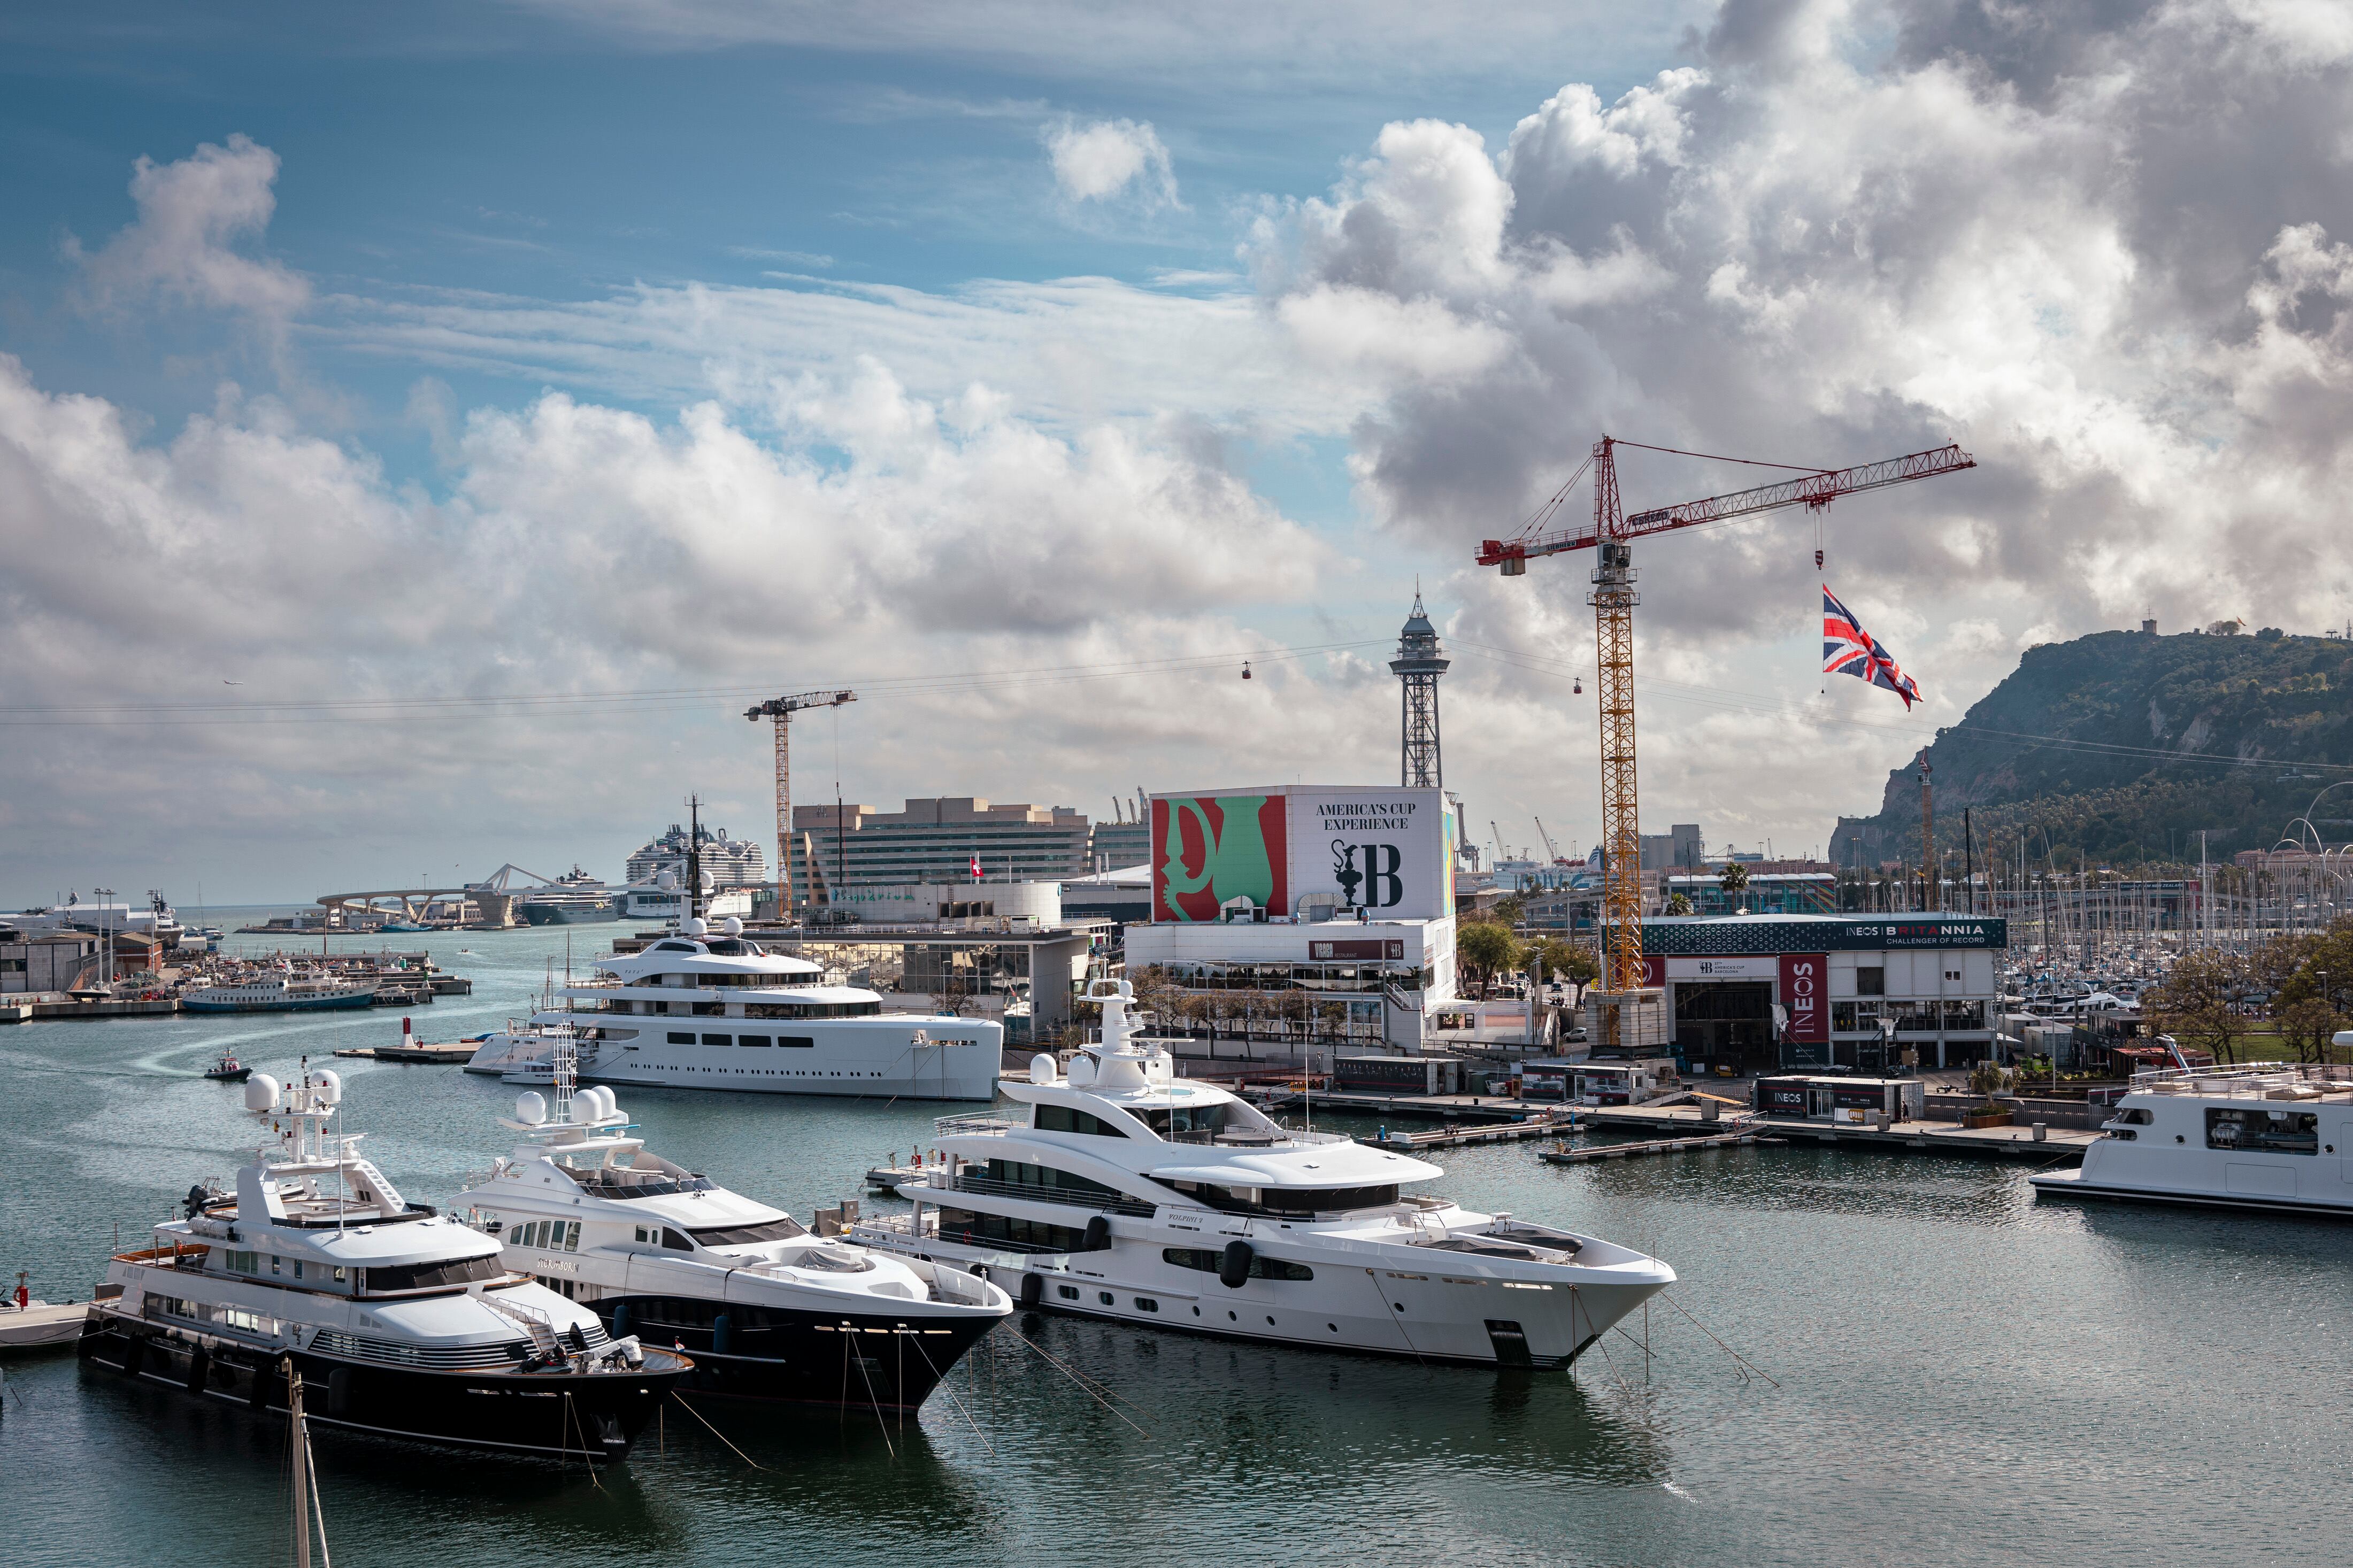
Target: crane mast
x=1613, y=600
x=781, y=710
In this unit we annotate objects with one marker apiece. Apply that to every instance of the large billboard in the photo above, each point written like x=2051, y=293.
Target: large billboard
x=1386, y=852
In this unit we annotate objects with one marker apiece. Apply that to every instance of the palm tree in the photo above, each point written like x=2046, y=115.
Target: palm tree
x=1735, y=879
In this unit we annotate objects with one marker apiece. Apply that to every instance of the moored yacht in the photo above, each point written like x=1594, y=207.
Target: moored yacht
x=767, y=1310
x=1119, y=1192
x=711, y=1009
x=282, y=993
x=2270, y=1135
x=396, y=1319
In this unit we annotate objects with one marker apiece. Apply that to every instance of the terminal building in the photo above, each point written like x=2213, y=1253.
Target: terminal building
x=936, y=839
x=1873, y=993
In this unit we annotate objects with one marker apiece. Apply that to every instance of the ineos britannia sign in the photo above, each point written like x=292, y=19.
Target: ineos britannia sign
x=1382, y=852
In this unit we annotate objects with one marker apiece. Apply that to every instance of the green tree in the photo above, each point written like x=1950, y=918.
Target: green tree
x=2193, y=1005
x=1679, y=904
x=1733, y=879
x=1486, y=948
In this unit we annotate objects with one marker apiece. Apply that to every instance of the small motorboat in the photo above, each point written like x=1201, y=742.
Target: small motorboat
x=26, y=1322
x=228, y=1069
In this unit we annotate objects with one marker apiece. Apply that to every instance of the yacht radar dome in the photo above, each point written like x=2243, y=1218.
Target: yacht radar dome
x=260, y=1092
x=693, y=925
x=666, y=881
x=530, y=1107
x=732, y=925
x=329, y=1084
x=1042, y=1068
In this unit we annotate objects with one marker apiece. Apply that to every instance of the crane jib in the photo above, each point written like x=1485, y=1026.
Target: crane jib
x=1812, y=491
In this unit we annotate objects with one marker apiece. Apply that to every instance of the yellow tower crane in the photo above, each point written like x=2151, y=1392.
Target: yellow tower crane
x=781, y=710
x=1613, y=600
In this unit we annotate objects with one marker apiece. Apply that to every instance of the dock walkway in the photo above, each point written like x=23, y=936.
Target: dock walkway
x=1923, y=1137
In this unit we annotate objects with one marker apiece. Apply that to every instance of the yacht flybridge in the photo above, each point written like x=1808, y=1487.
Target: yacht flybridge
x=1122, y=1191
x=767, y=1310
x=2270, y=1135
x=396, y=1319
x=709, y=1009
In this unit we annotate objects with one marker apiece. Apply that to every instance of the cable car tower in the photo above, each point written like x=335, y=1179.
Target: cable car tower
x=1613, y=600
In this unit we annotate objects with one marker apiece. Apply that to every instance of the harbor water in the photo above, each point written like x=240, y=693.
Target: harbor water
x=1935, y=1368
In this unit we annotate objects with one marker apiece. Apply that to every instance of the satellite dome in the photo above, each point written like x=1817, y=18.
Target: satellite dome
x=693, y=925
x=666, y=881
x=1042, y=1068
x=530, y=1107
x=330, y=1085
x=732, y=926
x=260, y=1091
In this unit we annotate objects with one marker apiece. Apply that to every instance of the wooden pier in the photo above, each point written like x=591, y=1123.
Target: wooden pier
x=1587, y=1154
x=2056, y=1144
x=457, y=1053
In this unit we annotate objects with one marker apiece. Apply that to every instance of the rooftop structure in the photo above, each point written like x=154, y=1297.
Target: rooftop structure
x=936, y=839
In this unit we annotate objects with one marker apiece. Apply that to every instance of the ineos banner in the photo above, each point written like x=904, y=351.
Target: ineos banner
x=1381, y=851
x=1805, y=993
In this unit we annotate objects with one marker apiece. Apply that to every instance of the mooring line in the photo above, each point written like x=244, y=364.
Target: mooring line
x=880, y=1425
x=1726, y=1349
x=939, y=1380
x=1074, y=1377
x=716, y=1431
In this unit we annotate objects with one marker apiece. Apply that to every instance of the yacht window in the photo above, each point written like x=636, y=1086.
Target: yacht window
x=1064, y=1119
x=276, y=1262
x=1192, y=1123
x=673, y=947
x=1067, y=1292
x=784, y=1229
x=2263, y=1131
x=241, y=1262
x=677, y=1039
x=427, y=1276
x=718, y=1039
x=674, y=1241
x=1022, y=1174
x=2139, y=1116
x=1262, y=1266
x=804, y=1042
x=750, y=1039
x=340, y=1273
x=1015, y=1235
x=1288, y=1200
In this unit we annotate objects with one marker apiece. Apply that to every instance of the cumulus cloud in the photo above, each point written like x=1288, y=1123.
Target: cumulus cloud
x=183, y=249
x=1100, y=160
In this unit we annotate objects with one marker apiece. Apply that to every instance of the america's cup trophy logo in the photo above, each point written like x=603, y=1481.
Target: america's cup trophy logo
x=1345, y=872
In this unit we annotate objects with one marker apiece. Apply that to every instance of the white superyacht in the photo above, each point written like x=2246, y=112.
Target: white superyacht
x=769, y=1312
x=2275, y=1136
x=711, y=1009
x=396, y=1319
x=1122, y=1193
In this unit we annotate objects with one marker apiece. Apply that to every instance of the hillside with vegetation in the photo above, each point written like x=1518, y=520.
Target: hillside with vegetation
x=2119, y=748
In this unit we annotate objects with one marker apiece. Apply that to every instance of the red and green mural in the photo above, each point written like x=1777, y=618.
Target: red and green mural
x=1208, y=850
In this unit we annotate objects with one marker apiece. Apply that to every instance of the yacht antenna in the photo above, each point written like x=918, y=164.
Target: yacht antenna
x=693, y=855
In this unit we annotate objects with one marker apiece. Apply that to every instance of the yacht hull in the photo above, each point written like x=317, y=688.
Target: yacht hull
x=2071, y=1185
x=845, y=1061
x=857, y=1360
x=569, y=914
x=1411, y=1309
x=556, y=1416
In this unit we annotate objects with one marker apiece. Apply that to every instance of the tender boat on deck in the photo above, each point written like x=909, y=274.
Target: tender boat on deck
x=397, y=1320
x=1122, y=1193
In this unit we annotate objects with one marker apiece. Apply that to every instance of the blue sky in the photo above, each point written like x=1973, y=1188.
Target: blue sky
x=470, y=354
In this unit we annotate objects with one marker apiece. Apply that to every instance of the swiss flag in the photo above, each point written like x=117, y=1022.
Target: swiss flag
x=976, y=868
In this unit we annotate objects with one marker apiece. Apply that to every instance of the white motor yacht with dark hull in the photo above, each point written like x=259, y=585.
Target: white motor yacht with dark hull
x=1124, y=1194
x=705, y=1009
x=769, y=1312
x=397, y=1320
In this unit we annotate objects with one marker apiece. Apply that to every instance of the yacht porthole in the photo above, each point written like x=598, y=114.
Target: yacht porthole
x=1233, y=1318
x=1334, y=1327
x=2176, y=1138
x=1269, y=1323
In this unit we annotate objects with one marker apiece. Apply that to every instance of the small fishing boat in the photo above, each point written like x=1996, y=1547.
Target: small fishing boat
x=228, y=1069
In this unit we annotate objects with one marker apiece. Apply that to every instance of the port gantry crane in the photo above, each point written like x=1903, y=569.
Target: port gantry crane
x=1550, y=847
x=1613, y=600
x=782, y=709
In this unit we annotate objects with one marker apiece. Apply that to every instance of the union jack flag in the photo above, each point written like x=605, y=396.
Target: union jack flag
x=1847, y=649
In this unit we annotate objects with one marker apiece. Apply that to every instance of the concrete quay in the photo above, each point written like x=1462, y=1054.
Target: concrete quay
x=26, y=1012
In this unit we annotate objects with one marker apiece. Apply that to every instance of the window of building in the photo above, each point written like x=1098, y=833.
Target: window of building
x=1870, y=980
x=2263, y=1131
x=1854, y=1018
x=1067, y=1119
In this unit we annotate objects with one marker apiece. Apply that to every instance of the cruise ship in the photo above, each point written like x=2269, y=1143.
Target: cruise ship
x=711, y=1009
